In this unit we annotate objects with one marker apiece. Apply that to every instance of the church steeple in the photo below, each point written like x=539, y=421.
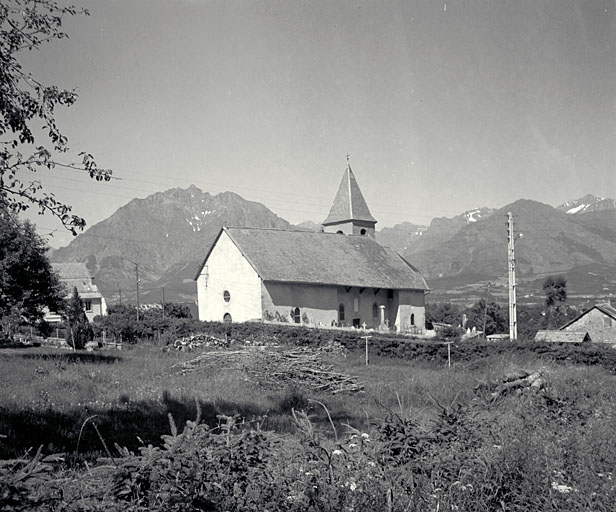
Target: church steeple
x=349, y=213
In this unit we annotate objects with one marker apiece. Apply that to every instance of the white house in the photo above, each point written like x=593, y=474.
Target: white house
x=339, y=276
x=77, y=275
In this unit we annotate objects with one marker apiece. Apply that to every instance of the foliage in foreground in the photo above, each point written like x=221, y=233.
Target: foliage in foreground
x=27, y=109
x=516, y=461
x=27, y=281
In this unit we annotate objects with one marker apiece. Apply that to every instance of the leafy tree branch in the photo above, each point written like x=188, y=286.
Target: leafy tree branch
x=27, y=106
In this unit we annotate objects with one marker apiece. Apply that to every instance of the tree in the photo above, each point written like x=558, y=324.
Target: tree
x=80, y=330
x=443, y=312
x=491, y=312
x=27, y=107
x=121, y=322
x=28, y=283
x=555, y=289
x=175, y=310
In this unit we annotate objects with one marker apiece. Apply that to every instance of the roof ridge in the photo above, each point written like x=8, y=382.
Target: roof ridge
x=271, y=229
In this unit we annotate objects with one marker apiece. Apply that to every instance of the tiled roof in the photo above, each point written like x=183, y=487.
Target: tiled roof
x=324, y=259
x=349, y=203
x=562, y=336
x=77, y=275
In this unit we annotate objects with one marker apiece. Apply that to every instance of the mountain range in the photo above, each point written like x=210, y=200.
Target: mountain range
x=162, y=239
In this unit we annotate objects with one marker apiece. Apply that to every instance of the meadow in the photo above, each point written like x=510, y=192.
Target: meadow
x=422, y=436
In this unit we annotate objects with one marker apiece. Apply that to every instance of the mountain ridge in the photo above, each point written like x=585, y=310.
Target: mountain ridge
x=166, y=235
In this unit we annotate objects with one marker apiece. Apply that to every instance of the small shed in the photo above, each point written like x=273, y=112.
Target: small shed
x=563, y=336
x=497, y=337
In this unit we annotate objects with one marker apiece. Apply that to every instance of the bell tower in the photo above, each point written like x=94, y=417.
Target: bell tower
x=349, y=213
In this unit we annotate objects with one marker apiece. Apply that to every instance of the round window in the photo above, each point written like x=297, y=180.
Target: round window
x=226, y=295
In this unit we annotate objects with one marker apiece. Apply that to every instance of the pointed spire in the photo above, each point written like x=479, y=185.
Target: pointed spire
x=349, y=203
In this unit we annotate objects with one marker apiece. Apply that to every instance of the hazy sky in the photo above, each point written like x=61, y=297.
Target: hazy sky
x=443, y=107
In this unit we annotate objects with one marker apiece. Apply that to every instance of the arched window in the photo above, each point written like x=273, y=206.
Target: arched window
x=227, y=318
x=362, y=232
x=375, y=310
x=340, y=232
x=412, y=318
x=297, y=316
x=226, y=296
x=341, y=313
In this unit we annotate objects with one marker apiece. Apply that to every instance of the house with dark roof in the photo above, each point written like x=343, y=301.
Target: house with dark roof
x=339, y=276
x=77, y=275
x=599, y=322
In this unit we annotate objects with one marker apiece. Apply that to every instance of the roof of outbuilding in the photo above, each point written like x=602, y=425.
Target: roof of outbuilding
x=323, y=259
x=349, y=203
x=605, y=308
x=563, y=336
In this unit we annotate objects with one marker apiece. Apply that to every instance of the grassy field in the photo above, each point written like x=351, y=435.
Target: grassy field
x=71, y=402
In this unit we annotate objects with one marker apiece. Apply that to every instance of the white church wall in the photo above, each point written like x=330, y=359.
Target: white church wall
x=226, y=270
x=411, y=311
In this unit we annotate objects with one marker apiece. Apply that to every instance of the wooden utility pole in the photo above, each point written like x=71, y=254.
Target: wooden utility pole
x=485, y=310
x=513, y=322
x=137, y=277
x=163, y=302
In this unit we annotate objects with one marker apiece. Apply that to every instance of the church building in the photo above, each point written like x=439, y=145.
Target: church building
x=339, y=276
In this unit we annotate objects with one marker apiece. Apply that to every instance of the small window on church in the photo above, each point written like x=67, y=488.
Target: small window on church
x=363, y=232
x=607, y=323
x=340, y=232
x=412, y=318
x=341, y=313
x=297, y=317
x=226, y=296
x=227, y=318
x=375, y=310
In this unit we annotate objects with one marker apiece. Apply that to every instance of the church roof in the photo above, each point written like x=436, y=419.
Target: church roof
x=323, y=259
x=349, y=203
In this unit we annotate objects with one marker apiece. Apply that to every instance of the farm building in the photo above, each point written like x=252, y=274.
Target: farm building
x=77, y=275
x=339, y=276
x=599, y=321
x=563, y=336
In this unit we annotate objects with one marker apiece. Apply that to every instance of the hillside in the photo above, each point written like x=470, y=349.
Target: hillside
x=167, y=234
x=401, y=236
x=548, y=241
x=587, y=204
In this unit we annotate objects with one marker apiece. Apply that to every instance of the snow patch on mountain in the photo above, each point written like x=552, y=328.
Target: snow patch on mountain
x=478, y=213
x=578, y=209
x=588, y=203
x=196, y=222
